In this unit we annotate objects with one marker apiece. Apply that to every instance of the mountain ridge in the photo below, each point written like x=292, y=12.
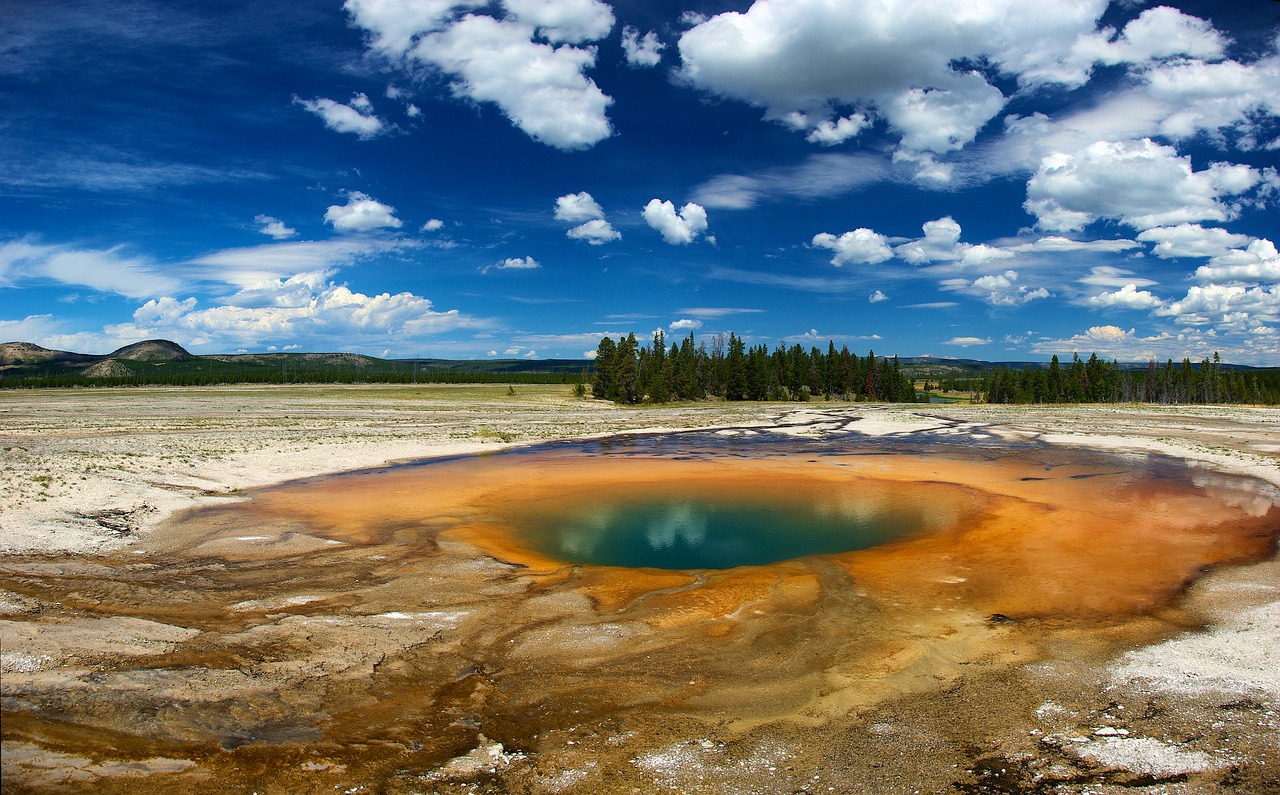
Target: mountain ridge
x=150, y=357
x=160, y=361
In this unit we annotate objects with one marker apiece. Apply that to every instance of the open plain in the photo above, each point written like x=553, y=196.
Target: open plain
x=167, y=622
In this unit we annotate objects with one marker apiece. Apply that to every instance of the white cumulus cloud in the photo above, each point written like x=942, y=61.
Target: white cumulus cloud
x=1197, y=96
x=943, y=119
x=1127, y=297
x=876, y=297
x=581, y=207
x=641, y=51
x=685, y=324
x=1156, y=33
x=897, y=59
x=361, y=213
x=997, y=289
x=1141, y=183
x=966, y=342
x=1191, y=240
x=523, y=57
x=1107, y=333
x=1233, y=102
x=274, y=227
x=597, y=232
x=541, y=88
x=941, y=243
x=1258, y=263
x=829, y=132
x=330, y=315
x=576, y=207
x=676, y=228
x=394, y=25
x=294, y=291
x=1229, y=305
x=513, y=264
x=1127, y=345
x=573, y=21
x=861, y=245
x=357, y=117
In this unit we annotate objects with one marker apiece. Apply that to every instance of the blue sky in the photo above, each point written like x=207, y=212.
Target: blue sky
x=993, y=179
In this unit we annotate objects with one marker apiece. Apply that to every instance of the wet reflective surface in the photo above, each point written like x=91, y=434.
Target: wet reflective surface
x=364, y=629
x=671, y=530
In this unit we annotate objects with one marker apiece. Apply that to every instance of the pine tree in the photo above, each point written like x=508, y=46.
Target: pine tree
x=625, y=370
x=606, y=384
x=735, y=370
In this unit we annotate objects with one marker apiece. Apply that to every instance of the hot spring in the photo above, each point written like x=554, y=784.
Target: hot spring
x=700, y=518
x=691, y=532
x=616, y=593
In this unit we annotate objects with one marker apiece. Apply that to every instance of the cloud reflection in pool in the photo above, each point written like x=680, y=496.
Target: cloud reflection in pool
x=689, y=532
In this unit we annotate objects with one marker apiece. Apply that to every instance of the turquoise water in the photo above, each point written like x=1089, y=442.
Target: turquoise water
x=699, y=533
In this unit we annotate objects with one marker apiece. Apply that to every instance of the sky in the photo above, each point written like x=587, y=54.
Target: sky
x=994, y=179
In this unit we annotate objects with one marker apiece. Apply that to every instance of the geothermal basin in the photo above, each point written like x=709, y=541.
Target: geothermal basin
x=556, y=616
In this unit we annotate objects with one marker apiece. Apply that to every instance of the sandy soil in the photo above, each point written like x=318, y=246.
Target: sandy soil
x=1182, y=699
x=92, y=470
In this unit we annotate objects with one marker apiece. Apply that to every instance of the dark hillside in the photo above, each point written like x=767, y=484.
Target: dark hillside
x=26, y=353
x=162, y=362
x=151, y=351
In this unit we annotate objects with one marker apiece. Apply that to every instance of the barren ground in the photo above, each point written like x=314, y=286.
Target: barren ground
x=143, y=654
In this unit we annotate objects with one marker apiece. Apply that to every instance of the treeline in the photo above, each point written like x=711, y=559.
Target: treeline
x=224, y=378
x=1097, y=381
x=627, y=372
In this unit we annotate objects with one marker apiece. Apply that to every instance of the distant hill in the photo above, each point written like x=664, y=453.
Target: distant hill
x=503, y=365
x=26, y=353
x=24, y=364
x=937, y=366
x=152, y=351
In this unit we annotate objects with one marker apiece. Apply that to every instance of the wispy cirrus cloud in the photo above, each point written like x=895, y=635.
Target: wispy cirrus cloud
x=717, y=311
x=104, y=169
x=110, y=270
x=813, y=284
x=818, y=176
x=249, y=265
